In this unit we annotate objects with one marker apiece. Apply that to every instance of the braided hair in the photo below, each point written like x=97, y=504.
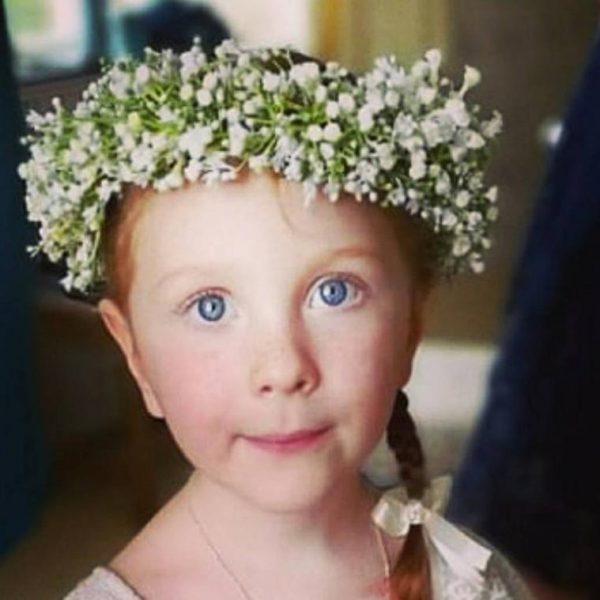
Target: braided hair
x=410, y=578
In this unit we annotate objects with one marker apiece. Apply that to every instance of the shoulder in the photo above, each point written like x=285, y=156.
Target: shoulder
x=500, y=580
x=103, y=584
x=503, y=581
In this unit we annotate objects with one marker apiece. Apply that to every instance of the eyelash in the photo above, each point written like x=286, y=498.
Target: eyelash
x=356, y=295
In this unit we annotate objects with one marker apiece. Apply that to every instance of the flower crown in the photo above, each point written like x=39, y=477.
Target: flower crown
x=393, y=137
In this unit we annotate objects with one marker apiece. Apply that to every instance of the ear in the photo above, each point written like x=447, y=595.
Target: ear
x=120, y=329
x=413, y=339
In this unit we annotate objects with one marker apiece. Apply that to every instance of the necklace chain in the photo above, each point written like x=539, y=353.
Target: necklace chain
x=241, y=589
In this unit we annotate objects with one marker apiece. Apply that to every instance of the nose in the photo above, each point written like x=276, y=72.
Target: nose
x=283, y=364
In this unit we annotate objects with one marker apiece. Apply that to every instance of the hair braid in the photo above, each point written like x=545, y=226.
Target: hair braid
x=410, y=578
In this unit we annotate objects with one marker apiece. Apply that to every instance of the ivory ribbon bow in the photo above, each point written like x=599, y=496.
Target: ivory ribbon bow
x=396, y=512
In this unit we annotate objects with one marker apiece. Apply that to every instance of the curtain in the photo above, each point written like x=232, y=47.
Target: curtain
x=22, y=455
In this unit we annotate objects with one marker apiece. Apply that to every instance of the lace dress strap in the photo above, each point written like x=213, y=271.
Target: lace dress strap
x=103, y=584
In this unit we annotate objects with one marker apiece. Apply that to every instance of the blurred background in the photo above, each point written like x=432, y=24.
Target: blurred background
x=105, y=465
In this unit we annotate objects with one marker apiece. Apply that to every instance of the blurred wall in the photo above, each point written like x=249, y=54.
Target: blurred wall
x=530, y=53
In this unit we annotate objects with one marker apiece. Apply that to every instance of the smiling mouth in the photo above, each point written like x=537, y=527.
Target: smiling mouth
x=289, y=442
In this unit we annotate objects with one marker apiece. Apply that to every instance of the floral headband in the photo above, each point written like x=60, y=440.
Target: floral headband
x=393, y=137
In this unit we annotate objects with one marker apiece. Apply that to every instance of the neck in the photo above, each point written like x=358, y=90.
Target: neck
x=335, y=528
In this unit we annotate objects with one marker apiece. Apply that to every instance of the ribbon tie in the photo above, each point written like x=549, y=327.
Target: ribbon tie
x=396, y=512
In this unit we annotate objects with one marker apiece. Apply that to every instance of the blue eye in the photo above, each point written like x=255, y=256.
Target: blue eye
x=335, y=291
x=210, y=307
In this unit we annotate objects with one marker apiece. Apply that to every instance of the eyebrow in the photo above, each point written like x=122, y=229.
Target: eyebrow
x=320, y=262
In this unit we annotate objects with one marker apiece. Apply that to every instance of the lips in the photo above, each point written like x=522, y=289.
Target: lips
x=289, y=442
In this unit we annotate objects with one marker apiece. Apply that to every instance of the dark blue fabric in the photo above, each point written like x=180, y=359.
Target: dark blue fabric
x=530, y=481
x=22, y=463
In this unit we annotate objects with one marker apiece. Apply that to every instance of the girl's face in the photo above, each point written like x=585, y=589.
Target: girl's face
x=253, y=317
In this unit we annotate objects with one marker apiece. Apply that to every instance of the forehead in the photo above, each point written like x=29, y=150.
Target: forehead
x=259, y=216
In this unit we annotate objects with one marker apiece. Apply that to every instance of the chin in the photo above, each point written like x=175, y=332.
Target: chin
x=290, y=492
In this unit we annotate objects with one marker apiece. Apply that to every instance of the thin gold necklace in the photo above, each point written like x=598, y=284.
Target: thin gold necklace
x=240, y=587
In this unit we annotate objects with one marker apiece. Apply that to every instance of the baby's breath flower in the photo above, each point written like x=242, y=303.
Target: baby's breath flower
x=471, y=79
x=462, y=199
x=187, y=92
x=332, y=132
x=327, y=151
x=204, y=97
x=142, y=74
x=492, y=194
x=365, y=118
x=347, y=102
x=332, y=110
x=406, y=139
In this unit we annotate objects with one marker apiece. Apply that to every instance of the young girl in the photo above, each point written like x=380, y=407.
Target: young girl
x=268, y=316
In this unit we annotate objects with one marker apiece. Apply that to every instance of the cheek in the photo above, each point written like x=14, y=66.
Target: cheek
x=367, y=363
x=196, y=387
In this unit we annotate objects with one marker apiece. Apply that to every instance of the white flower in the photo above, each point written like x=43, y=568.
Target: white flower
x=471, y=79
x=443, y=185
x=474, y=218
x=457, y=152
x=165, y=114
x=397, y=196
x=237, y=139
x=367, y=171
x=404, y=125
x=321, y=94
x=449, y=219
x=347, y=103
x=186, y=92
x=426, y=95
x=193, y=171
x=392, y=98
x=332, y=132
x=332, y=110
x=387, y=158
x=142, y=74
x=327, y=151
x=492, y=194
x=191, y=62
x=304, y=73
x=461, y=246
x=251, y=106
x=159, y=141
x=250, y=79
x=418, y=167
x=476, y=264
x=434, y=58
x=493, y=127
x=77, y=153
x=314, y=133
x=375, y=101
x=332, y=191
x=456, y=109
x=365, y=119
x=204, y=97
x=492, y=213
x=173, y=180
x=141, y=158
x=119, y=83
x=258, y=163
x=271, y=81
x=420, y=69
x=462, y=199
x=105, y=190
x=474, y=140
x=195, y=141
x=210, y=81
